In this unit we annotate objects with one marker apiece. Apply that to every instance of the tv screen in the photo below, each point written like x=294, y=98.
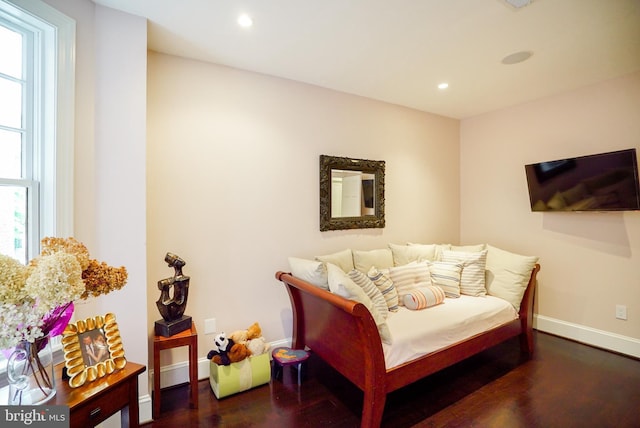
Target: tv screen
x=602, y=182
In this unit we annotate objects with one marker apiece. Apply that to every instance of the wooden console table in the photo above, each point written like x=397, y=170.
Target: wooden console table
x=96, y=401
x=185, y=338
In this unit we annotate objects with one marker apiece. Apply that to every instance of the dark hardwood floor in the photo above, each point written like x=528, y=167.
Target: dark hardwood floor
x=566, y=384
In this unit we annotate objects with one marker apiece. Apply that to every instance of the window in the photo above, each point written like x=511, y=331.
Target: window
x=37, y=46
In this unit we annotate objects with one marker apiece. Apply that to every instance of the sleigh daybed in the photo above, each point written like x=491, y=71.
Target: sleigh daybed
x=345, y=334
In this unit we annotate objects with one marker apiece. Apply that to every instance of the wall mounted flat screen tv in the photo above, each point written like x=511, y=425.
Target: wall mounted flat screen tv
x=601, y=182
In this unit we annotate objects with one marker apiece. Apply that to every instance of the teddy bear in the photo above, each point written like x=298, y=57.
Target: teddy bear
x=252, y=339
x=258, y=346
x=227, y=351
x=238, y=352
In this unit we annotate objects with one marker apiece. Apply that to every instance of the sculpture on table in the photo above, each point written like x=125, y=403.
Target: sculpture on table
x=173, y=305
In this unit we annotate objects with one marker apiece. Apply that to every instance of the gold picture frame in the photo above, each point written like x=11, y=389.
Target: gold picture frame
x=92, y=349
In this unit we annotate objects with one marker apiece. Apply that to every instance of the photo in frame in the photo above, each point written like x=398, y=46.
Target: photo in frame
x=92, y=349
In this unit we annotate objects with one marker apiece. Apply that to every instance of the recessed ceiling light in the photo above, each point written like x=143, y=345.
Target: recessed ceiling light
x=245, y=21
x=517, y=57
x=443, y=85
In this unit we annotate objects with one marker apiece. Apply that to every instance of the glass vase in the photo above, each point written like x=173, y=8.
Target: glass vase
x=30, y=373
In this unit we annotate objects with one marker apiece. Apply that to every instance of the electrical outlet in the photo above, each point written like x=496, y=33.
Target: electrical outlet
x=621, y=312
x=210, y=326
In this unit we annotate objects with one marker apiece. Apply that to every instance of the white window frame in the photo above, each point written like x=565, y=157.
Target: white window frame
x=55, y=114
x=54, y=144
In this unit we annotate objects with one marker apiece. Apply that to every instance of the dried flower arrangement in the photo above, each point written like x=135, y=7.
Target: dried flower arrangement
x=37, y=300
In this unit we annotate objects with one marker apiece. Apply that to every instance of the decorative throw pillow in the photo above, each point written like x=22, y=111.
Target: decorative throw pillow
x=405, y=254
x=365, y=260
x=472, y=281
x=424, y=297
x=386, y=287
x=371, y=291
x=447, y=276
x=343, y=259
x=342, y=285
x=406, y=278
x=312, y=271
x=508, y=274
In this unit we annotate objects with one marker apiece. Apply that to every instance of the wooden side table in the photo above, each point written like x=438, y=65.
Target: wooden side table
x=185, y=338
x=95, y=401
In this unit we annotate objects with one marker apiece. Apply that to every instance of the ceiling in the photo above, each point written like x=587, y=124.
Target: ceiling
x=399, y=51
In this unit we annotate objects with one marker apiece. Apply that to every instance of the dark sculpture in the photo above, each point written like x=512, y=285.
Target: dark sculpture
x=172, y=307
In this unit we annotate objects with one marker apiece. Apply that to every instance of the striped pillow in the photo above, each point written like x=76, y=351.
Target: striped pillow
x=342, y=285
x=447, y=276
x=472, y=280
x=408, y=277
x=371, y=291
x=386, y=287
x=424, y=297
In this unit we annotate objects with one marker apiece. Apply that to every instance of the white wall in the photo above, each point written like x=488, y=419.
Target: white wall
x=233, y=184
x=109, y=179
x=590, y=261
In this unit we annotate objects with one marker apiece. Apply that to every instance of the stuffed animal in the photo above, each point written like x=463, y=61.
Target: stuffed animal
x=239, y=336
x=254, y=331
x=238, y=345
x=242, y=336
x=252, y=338
x=227, y=351
x=238, y=352
x=258, y=346
x=221, y=355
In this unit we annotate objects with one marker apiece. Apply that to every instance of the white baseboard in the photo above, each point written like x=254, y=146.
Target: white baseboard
x=146, y=409
x=590, y=336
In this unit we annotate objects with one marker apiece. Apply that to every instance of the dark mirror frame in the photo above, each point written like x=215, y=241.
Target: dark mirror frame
x=328, y=163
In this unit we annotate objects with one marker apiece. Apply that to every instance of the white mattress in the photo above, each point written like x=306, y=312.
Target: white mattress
x=444, y=324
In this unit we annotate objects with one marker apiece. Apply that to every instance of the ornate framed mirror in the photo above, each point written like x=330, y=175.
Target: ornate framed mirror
x=351, y=193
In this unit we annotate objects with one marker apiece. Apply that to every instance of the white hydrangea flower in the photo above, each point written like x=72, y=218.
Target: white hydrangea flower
x=18, y=322
x=55, y=280
x=13, y=275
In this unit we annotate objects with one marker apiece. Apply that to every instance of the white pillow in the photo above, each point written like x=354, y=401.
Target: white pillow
x=439, y=248
x=472, y=279
x=468, y=248
x=405, y=254
x=386, y=287
x=365, y=260
x=424, y=297
x=408, y=277
x=446, y=275
x=371, y=291
x=343, y=259
x=342, y=285
x=312, y=271
x=508, y=274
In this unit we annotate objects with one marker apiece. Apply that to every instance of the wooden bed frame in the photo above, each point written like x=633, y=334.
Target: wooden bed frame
x=343, y=333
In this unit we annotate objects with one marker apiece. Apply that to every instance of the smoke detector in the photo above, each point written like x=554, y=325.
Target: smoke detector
x=518, y=3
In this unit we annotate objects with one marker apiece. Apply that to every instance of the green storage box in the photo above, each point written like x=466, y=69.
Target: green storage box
x=240, y=376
